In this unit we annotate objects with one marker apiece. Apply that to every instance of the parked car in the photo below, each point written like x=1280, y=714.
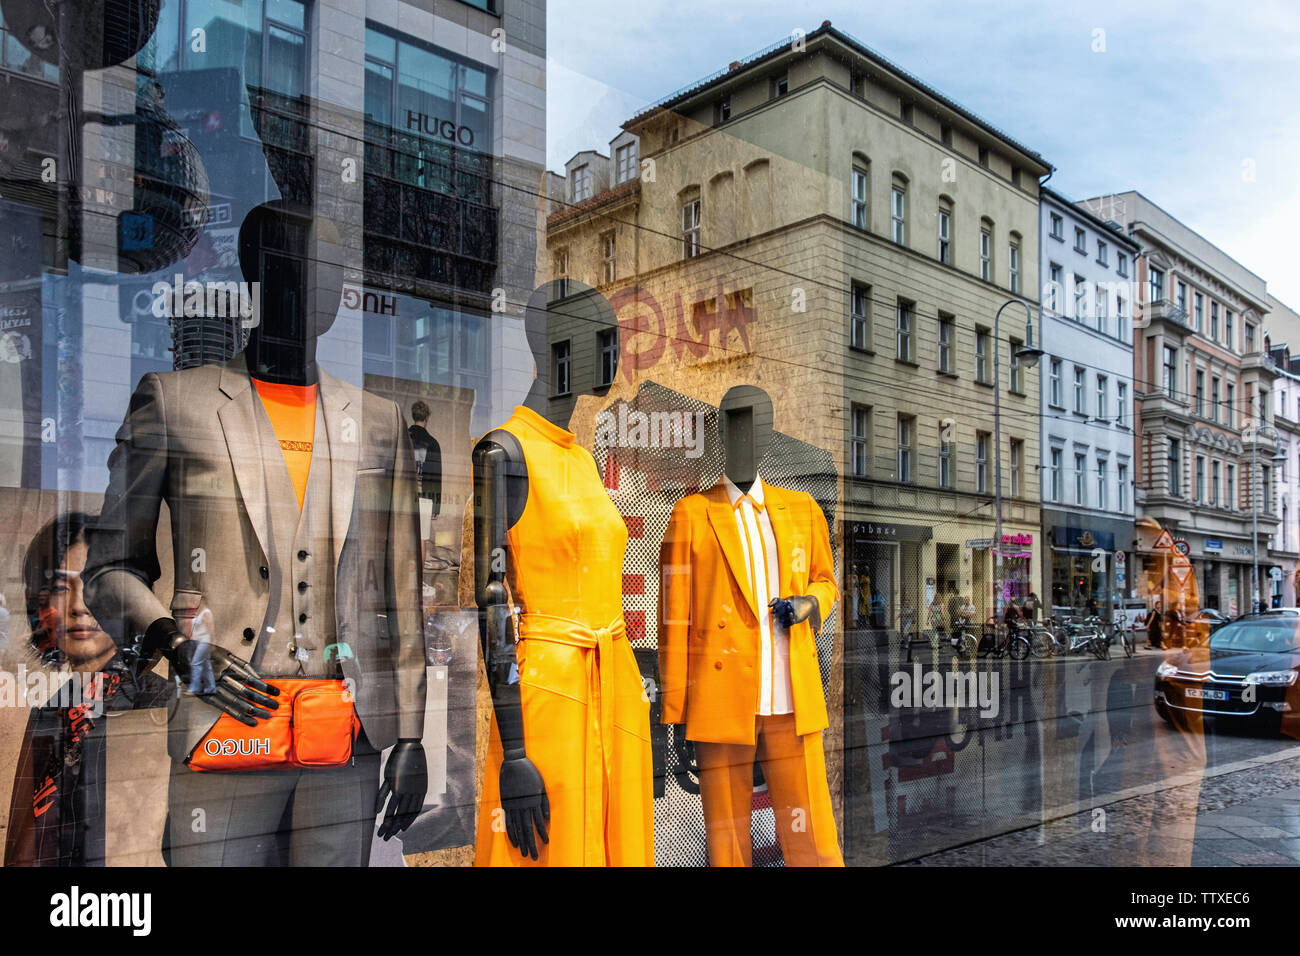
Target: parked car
x=1249, y=671
x=1204, y=623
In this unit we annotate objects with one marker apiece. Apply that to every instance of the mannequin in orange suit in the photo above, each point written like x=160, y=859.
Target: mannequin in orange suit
x=746, y=578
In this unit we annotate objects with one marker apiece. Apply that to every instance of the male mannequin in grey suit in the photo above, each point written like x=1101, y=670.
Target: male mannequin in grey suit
x=324, y=584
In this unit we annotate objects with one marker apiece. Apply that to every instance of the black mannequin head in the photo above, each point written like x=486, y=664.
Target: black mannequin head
x=286, y=252
x=745, y=430
x=586, y=312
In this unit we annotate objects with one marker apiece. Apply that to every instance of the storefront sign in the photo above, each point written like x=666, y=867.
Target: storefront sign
x=1024, y=540
x=1084, y=539
x=1212, y=545
x=883, y=531
x=424, y=123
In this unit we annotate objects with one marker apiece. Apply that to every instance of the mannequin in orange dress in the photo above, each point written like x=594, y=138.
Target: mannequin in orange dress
x=568, y=774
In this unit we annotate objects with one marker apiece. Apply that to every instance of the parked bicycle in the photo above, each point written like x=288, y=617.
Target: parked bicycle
x=1087, y=636
x=1122, y=628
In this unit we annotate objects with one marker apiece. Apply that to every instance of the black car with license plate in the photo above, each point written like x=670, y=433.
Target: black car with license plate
x=1249, y=670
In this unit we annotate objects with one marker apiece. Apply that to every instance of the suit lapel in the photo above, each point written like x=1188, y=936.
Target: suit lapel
x=342, y=406
x=778, y=512
x=723, y=519
x=239, y=427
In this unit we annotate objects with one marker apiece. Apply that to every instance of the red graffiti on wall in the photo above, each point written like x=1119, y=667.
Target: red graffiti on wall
x=653, y=332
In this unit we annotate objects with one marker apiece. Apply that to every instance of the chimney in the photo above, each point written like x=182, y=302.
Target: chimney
x=733, y=66
x=825, y=24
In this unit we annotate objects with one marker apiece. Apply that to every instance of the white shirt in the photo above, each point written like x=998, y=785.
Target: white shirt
x=758, y=542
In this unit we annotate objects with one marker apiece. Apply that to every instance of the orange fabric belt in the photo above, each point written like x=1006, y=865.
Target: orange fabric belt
x=598, y=746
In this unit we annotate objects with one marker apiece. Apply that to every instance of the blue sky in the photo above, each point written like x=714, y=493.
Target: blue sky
x=1187, y=102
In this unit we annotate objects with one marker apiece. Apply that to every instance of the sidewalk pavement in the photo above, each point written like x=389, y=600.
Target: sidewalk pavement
x=1246, y=814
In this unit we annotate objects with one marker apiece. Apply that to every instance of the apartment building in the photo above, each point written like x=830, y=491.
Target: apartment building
x=815, y=221
x=1086, y=468
x=1203, y=409
x=1283, y=325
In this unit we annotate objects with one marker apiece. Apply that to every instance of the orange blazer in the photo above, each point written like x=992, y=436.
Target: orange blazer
x=709, y=650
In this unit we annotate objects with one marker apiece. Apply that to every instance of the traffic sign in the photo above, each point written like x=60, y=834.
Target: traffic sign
x=1181, y=573
x=1182, y=547
x=1164, y=542
x=1119, y=558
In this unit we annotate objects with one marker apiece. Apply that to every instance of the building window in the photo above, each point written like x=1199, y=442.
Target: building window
x=1080, y=479
x=581, y=183
x=1054, y=476
x=607, y=257
x=1121, y=404
x=860, y=328
x=906, y=424
x=724, y=109
x=607, y=346
x=945, y=458
x=1101, y=483
x=1058, y=227
x=1199, y=488
x=903, y=329
x=1216, y=475
x=861, y=439
x=1173, y=465
x=1121, y=264
x=946, y=333
x=1228, y=336
x=1103, y=400
x=1230, y=416
x=1016, y=378
x=1170, y=372
x=1214, y=321
x=1250, y=337
x=1200, y=394
x=780, y=85
x=984, y=156
x=859, y=190
x=1080, y=240
x=1121, y=487
x=691, y=229
x=1054, y=383
x=945, y=237
x=1056, y=288
x=982, y=462
x=1180, y=298
x=1157, y=279
x=560, y=363
x=1230, y=492
x=897, y=213
x=626, y=163
x=560, y=270
x=1102, y=295
x=1013, y=266
x=982, y=355
x=1080, y=390
x=1214, y=396
x=1198, y=312
x=1016, y=460
x=1121, y=317
x=986, y=251
x=1103, y=255
x=1080, y=298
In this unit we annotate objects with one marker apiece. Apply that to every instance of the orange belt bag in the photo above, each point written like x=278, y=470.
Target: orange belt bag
x=314, y=726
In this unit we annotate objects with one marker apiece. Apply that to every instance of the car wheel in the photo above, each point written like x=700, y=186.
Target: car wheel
x=1163, y=711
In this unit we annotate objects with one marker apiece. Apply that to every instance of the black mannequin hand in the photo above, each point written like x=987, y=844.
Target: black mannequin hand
x=406, y=780
x=792, y=610
x=523, y=798
x=213, y=674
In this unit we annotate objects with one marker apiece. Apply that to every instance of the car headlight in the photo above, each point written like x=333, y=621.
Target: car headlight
x=1275, y=678
x=1166, y=669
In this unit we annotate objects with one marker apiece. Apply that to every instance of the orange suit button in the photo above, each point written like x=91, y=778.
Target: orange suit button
x=722, y=624
x=717, y=665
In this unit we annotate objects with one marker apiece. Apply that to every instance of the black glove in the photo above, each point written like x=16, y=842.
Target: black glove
x=790, y=611
x=212, y=674
x=406, y=780
x=523, y=797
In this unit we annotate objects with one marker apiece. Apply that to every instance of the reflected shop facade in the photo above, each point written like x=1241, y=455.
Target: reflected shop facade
x=643, y=489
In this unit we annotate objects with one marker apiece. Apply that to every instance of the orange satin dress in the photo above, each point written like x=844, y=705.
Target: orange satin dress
x=586, y=716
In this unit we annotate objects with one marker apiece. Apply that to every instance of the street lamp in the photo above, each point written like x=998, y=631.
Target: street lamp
x=1029, y=354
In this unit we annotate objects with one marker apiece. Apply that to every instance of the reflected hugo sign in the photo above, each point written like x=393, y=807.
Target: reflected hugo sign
x=692, y=323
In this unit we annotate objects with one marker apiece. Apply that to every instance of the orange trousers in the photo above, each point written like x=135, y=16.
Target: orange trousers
x=795, y=770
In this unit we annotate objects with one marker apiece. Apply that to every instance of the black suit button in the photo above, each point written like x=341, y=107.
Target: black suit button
x=302, y=586
x=264, y=572
x=302, y=555
x=302, y=618
x=249, y=634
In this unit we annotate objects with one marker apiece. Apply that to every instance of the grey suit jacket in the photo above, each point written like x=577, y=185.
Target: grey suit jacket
x=190, y=438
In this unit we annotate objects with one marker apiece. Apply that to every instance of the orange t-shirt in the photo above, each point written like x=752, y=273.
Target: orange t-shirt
x=292, y=410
